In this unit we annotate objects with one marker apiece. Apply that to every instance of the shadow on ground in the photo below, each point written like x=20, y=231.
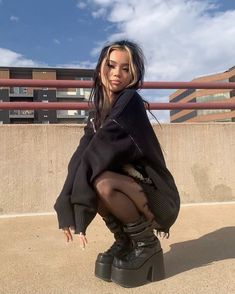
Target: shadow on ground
x=212, y=247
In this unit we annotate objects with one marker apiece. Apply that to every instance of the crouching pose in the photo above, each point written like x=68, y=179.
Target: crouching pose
x=119, y=171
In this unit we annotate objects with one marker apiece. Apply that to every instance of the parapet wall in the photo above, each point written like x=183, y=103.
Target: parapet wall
x=34, y=160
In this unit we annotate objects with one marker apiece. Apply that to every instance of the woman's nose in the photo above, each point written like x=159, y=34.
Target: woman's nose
x=117, y=71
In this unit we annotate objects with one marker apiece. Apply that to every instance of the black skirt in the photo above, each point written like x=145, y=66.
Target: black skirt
x=159, y=205
x=160, y=202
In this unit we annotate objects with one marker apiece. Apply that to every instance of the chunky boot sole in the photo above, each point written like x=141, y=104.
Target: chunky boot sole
x=151, y=271
x=103, y=271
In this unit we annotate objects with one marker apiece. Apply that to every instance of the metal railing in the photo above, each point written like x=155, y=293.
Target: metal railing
x=88, y=84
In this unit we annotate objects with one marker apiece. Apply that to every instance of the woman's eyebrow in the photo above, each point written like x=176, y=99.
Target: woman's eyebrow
x=110, y=60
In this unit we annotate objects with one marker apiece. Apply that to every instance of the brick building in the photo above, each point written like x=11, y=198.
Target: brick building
x=205, y=95
x=28, y=94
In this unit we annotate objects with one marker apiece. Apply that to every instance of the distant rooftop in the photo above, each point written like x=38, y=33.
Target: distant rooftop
x=59, y=70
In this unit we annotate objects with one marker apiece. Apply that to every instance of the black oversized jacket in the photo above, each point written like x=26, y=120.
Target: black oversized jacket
x=125, y=137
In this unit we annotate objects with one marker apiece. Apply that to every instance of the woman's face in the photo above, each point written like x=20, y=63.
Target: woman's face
x=115, y=72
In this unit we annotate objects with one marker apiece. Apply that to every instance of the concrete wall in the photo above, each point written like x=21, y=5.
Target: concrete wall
x=34, y=158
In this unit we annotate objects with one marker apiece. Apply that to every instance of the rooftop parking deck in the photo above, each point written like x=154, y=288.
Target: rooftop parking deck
x=199, y=255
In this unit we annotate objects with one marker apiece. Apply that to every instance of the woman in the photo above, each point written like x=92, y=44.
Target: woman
x=119, y=171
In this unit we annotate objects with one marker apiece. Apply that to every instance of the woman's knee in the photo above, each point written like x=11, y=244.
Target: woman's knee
x=103, y=186
x=103, y=176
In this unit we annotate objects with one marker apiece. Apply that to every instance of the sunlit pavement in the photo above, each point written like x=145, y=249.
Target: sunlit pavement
x=199, y=255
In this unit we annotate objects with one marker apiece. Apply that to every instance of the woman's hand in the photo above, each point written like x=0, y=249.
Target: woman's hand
x=68, y=234
x=81, y=237
x=82, y=240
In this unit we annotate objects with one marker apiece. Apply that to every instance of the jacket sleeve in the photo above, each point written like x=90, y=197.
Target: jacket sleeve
x=63, y=205
x=110, y=148
x=77, y=155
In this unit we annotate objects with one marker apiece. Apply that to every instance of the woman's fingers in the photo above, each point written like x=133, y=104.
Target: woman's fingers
x=69, y=237
x=68, y=234
x=82, y=240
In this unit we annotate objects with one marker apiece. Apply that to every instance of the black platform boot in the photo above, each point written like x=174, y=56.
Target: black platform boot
x=122, y=244
x=144, y=263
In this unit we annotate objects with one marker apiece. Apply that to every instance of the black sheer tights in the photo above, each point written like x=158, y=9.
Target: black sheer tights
x=121, y=196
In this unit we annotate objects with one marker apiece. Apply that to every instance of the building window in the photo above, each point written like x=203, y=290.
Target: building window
x=18, y=90
x=81, y=91
x=21, y=113
x=211, y=98
x=76, y=92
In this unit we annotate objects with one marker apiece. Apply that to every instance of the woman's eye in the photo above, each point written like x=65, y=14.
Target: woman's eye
x=110, y=65
x=126, y=69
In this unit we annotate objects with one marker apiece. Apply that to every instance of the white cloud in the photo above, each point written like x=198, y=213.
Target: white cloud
x=11, y=58
x=14, y=18
x=99, y=13
x=83, y=64
x=81, y=5
x=56, y=41
x=181, y=39
x=104, y=2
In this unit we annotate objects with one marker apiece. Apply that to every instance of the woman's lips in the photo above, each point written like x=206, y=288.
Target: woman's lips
x=115, y=82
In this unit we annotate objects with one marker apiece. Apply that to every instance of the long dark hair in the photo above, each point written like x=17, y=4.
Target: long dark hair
x=97, y=97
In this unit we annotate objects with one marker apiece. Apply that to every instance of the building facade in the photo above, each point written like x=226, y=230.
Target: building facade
x=28, y=94
x=205, y=95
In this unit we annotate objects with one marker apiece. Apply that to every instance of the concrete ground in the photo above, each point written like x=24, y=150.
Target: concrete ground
x=199, y=255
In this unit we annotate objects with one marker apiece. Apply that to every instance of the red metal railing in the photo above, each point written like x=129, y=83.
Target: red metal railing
x=84, y=105
x=88, y=84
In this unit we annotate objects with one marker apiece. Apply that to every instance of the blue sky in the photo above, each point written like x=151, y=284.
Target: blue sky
x=57, y=32
x=52, y=32
x=181, y=39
